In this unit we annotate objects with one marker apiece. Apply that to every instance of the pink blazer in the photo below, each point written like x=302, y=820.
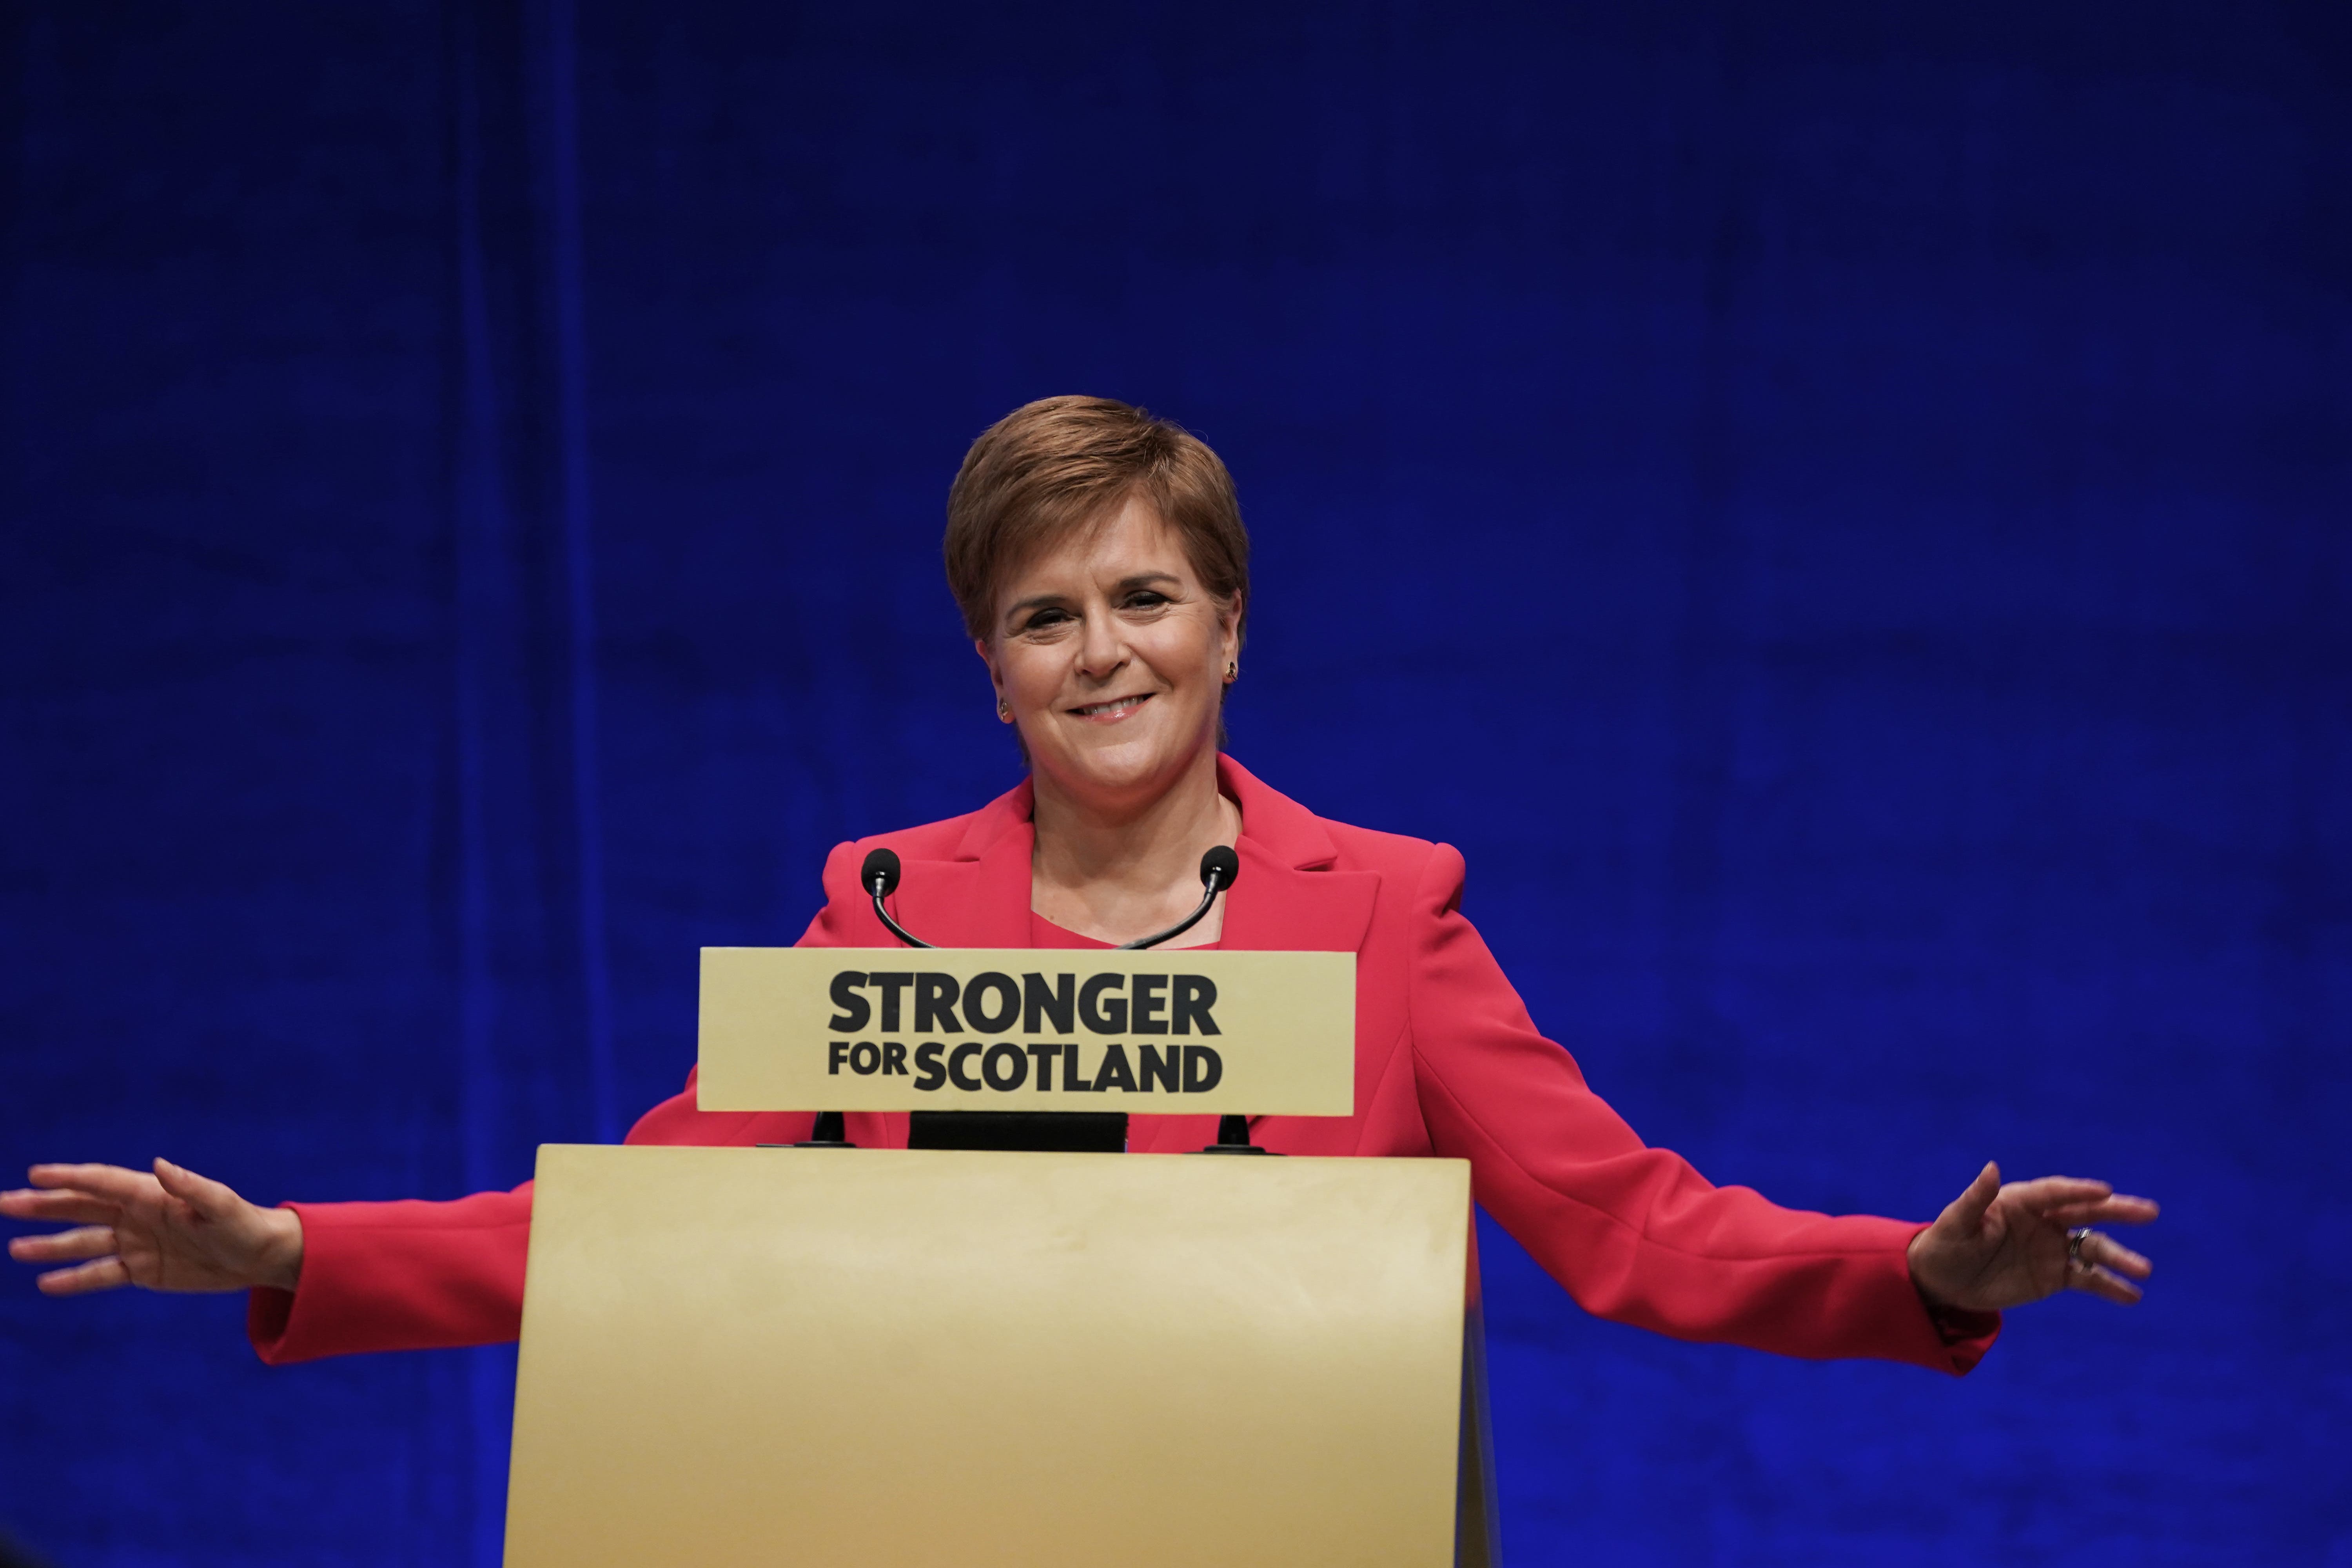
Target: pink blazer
x=1447, y=1063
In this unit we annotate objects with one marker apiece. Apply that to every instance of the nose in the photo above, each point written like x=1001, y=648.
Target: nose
x=1101, y=650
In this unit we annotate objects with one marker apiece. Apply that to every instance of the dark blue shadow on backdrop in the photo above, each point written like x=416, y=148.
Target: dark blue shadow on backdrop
x=1841, y=518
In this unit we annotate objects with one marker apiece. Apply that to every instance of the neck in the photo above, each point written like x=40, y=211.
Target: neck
x=1115, y=870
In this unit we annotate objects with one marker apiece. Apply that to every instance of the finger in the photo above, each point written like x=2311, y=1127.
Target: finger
x=2107, y=1252
x=1967, y=1211
x=72, y=1207
x=2105, y=1285
x=63, y=1245
x=2049, y=1191
x=2116, y=1210
x=214, y=1200
x=105, y=1274
x=110, y=1182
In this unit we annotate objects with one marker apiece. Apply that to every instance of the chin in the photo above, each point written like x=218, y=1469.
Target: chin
x=1122, y=765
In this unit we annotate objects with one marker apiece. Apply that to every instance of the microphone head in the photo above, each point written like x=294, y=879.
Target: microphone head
x=1219, y=868
x=881, y=865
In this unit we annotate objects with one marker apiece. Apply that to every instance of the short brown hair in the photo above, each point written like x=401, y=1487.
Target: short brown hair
x=1052, y=466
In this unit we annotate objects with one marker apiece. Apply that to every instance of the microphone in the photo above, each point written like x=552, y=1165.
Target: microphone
x=1220, y=867
x=880, y=876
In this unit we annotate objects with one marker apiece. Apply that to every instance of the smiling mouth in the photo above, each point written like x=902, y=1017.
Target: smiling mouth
x=1117, y=708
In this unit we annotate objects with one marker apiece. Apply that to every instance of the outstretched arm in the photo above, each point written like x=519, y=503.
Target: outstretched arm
x=1999, y=1246
x=173, y=1230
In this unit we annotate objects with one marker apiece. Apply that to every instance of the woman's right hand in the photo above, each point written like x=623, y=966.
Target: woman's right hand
x=173, y=1230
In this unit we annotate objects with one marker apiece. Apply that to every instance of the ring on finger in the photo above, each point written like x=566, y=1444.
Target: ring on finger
x=2076, y=1239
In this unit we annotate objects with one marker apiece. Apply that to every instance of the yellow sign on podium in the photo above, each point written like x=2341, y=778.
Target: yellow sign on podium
x=739, y=1356
x=812, y=1029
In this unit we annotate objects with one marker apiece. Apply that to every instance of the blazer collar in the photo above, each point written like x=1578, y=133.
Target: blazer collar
x=1287, y=897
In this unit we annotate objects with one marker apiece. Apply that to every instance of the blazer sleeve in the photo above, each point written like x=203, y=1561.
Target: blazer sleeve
x=417, y=1275
x=1634, y=1233
x=409, y=1275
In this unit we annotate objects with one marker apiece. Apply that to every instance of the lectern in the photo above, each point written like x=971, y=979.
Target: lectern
x=965, y=1356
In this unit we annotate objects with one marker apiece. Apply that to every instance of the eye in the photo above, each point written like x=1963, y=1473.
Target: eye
x=1146, y=599
x=1044, y=619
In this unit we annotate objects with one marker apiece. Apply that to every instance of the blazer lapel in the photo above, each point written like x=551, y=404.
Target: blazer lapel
x=980, y=898
x=1282, y=909
x=1287, y=897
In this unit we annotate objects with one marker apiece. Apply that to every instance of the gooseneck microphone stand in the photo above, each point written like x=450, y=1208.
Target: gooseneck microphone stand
x=1219, y=868
x=880, y=875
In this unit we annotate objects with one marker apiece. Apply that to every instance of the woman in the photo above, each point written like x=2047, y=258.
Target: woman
x=1100, y=563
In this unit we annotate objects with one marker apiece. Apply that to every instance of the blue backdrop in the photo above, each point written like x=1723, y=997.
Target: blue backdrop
x=1840, y=514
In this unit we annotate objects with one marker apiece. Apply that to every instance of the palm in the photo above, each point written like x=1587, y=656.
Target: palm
x=2004, y=1245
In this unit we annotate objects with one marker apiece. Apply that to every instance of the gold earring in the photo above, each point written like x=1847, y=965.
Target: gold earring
x=1232, y=673
x=1004, y=712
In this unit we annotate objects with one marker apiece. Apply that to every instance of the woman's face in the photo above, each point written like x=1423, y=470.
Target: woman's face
x=1112, y=658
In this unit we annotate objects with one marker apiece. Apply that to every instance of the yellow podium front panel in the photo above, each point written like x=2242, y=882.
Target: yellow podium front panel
x=737, y=1356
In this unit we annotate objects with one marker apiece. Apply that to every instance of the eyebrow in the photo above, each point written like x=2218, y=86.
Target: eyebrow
x=1039, y=601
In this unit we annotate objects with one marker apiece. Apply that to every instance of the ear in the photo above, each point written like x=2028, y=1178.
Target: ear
x=1229, y=625
x=995, y=676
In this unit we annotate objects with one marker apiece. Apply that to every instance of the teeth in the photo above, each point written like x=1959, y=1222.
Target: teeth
x=1092, y=710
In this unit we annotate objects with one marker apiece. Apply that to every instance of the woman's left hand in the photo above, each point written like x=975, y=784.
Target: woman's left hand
x=1999, y=1247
